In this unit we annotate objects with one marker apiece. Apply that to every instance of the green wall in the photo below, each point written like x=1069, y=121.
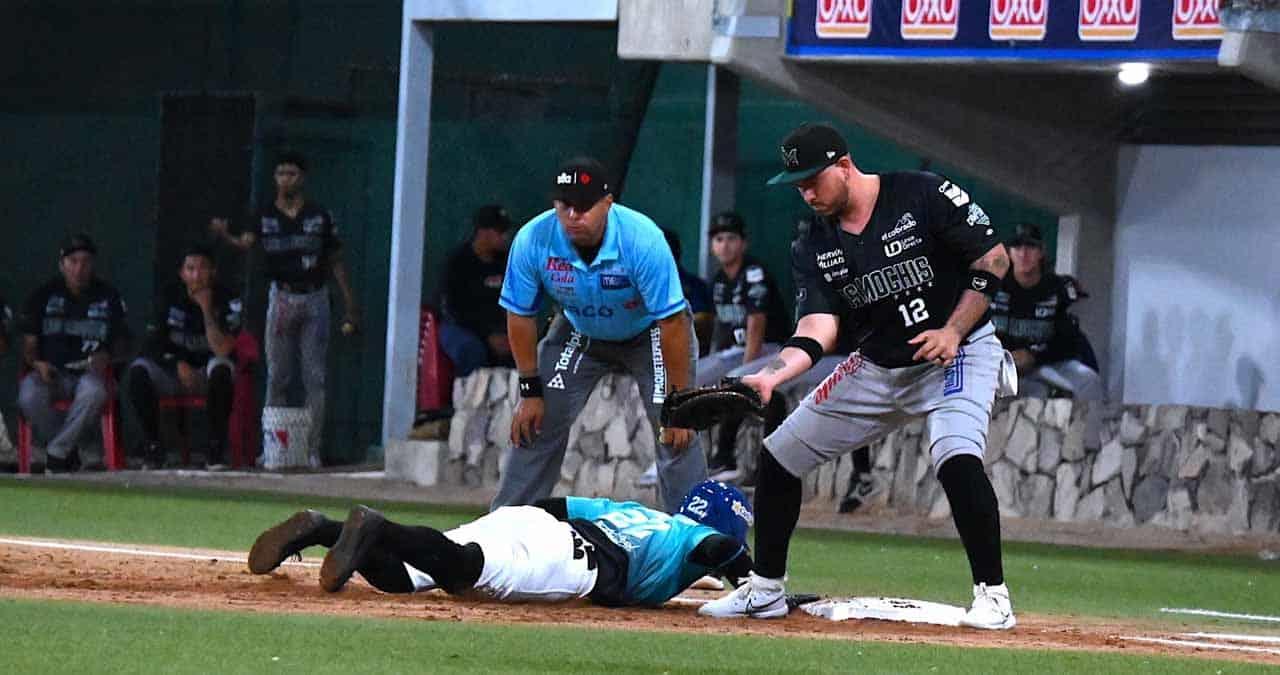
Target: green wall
x=81, y=129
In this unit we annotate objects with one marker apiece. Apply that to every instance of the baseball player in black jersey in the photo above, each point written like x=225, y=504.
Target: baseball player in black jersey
x=70, y=327
x=300, y=240
x=1031, y=316
x=189, y=351
x=750, y=325
x=909, y=261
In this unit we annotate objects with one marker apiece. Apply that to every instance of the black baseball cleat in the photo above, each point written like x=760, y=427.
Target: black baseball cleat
x=359, y=533
x=281, y=541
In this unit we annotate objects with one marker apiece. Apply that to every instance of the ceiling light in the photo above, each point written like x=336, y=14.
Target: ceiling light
x=1134, y=74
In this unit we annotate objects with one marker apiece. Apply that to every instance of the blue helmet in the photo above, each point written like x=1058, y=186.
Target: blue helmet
x=719, y=506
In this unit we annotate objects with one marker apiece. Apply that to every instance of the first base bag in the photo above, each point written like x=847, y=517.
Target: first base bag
x=284, y=437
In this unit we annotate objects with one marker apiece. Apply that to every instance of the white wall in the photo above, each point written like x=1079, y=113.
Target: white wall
x=1198, y=275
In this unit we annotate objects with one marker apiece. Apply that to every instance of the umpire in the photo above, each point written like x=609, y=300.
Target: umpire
x=908, y=262
x=611, y=271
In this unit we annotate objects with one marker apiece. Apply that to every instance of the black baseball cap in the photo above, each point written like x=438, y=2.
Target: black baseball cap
x=77, y=242
x=1027, y=234
x=808, y=149
x=580, y=182
x=727, y=221
x=491, y=217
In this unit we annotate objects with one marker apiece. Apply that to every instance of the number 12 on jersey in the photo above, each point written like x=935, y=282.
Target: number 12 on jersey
x=913, y=312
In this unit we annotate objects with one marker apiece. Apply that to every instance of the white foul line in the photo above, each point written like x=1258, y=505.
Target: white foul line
x=1233, y=637
x=135, y=551
x=1200, y=645
x=1221, y=615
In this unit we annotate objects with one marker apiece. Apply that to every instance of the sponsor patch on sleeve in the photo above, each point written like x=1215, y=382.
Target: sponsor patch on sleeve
x=755, y=275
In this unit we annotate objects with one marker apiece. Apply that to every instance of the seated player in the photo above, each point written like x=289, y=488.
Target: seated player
x=1031, y=316
x=615, y=554
x=750, y=327
x=474, y=331
x=189, y=351
x=71, y=326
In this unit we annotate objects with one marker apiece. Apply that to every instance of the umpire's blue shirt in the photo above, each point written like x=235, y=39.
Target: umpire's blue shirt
x=632, y=282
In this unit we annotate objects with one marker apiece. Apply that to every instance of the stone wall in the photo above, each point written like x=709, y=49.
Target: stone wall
x=1184, y=468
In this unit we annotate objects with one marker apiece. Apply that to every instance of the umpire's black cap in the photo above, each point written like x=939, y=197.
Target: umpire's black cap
x=580, y=182
x=77, y=242
x=808, y=150
x=1027, y=234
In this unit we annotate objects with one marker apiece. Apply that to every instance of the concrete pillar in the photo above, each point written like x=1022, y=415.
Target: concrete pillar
x=408, y=231
x=719, y=156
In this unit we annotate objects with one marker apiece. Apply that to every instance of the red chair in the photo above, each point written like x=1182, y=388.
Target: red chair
x=112, y=448
x=435, y=370
x=243, y=430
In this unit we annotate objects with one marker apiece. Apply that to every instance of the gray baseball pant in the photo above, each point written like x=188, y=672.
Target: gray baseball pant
x=570, y=363
x=860, y=402
x=298, y=336
x=1084, y=383
x=60, y=432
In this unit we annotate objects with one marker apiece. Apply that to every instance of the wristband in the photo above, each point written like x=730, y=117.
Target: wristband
x=531, y=387
x=984, y=282
x=808, y=345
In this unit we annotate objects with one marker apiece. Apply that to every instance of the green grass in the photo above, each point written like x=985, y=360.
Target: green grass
x=71, y=637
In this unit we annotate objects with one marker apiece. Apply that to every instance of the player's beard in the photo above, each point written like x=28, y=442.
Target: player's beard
x=836, y=207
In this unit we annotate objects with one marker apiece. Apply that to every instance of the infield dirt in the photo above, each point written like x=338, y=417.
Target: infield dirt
x=220, y=581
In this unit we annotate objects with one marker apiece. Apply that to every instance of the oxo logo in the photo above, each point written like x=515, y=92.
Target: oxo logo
x=1018, y=19
x=843, y=18
x=1196, y=20
x=930, y=19
x=1109, y=20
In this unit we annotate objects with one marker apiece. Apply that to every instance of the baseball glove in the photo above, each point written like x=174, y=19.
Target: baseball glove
x=704, y=407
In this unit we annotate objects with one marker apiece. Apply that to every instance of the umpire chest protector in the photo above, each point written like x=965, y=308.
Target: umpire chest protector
x=904, y=273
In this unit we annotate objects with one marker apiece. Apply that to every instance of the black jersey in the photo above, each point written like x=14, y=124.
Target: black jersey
x=1036, y=318
x=69, y=328
x=904, y=274
x=751, y=292
x=176, y=332
x=297, y=249
x=471, y=288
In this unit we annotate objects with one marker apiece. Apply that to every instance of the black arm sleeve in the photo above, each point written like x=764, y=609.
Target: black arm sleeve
x=556, y=506
x=724, y=555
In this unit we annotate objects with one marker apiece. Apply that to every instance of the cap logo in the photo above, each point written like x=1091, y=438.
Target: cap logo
x=584, y=178
x=831, y=153
x=564, y=179
x=790, y=158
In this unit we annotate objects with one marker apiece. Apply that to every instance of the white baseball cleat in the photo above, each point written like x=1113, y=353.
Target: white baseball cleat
x=758, y=598
x=991, y=609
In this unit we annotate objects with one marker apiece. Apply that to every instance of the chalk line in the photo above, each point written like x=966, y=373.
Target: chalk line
x=117, y=550
x=1220, y=615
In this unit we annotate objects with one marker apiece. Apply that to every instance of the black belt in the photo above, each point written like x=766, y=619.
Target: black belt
x=299, y=287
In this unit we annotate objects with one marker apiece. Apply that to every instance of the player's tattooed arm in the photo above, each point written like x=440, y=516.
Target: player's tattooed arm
x=941, y=345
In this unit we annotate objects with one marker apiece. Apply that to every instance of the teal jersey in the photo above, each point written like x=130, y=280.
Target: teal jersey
x=657, y=545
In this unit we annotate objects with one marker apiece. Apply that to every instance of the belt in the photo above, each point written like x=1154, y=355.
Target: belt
x=299, y=287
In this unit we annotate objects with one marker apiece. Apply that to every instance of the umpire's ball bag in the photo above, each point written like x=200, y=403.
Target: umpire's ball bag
x=284, y=437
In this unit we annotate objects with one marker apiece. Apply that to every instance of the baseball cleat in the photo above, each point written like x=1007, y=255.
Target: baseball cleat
x=725, y=474
x=991, y=609
x=758, y=598
x=862, y=489
x=281, y=541
x=359, y=534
